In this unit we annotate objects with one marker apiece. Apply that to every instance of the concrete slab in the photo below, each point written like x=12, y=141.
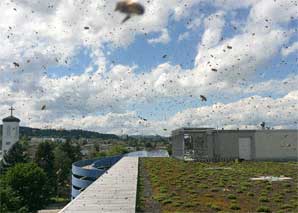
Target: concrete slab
x=114, y=191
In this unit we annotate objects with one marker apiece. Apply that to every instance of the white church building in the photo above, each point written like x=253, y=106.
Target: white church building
x=10, y=132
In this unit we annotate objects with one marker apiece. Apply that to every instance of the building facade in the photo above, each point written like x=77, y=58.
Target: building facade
x=207, y=144
x=10, y=132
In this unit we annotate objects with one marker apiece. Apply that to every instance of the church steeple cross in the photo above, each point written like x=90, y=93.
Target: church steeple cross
x=11, y=110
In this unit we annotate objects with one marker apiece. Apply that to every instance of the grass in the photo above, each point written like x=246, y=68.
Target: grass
x=180, y=186
x=231, y=197
x=235, y=207
x=60, y=200
x=215, y=207
x=263, y=209
x=263, y=199
x=140, y=190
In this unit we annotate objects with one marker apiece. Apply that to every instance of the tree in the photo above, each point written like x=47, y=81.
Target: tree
x=44, y=158
x=100, y=154
x=169, y=149
x=9, y=202
x=29, y=183
x=17, y=154
x=62, y=166
x=148, y=145
x=117, y=150
x=72, y=151
x=65, y=154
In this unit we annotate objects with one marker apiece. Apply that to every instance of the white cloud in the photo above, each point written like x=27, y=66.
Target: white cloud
x=163, y=38
x=239, y=57
x=291, y=49
x=245, y=113
x=213, y=28
x=52, y=36
x=234, y=4
x=281, y=86
x=183, y=36
x=261, y=38
x=272, y=13
x=250, y=112
x=195, y=23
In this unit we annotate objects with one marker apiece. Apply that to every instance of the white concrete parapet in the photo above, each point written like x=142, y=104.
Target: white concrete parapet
x=114, y=191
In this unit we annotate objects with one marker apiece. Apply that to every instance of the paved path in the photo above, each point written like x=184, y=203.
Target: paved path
x=114, y=191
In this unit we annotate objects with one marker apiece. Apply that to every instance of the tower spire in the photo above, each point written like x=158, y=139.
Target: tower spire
x=11, y=110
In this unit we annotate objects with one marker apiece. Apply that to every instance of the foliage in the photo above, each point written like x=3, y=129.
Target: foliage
x=72, y=151
x=114, y=150
x=16, y=154
x=10, y=201
x=235, y=207
x=149, y=145
x=263, y=199
x=62, y=165
x=44, y=158
x=64, y=155
x=53, y=133
x=117, y=150
x=29, y=183
x=263, y=209
x=169, y=149
x=232, y=197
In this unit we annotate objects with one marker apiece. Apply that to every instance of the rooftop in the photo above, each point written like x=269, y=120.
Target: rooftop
x=11, y=119
x=114, y=191
x=194, y=130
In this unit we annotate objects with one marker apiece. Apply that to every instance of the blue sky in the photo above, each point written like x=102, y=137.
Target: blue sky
x=115, y=72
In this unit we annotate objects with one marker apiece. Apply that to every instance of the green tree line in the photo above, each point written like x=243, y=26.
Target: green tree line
x=28, y=185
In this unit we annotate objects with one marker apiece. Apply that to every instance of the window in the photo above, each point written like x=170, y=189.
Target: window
x=8, y=131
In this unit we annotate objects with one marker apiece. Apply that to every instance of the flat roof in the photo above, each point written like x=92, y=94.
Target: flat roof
x=114, y=191
x=194, y=130
x=187, y=129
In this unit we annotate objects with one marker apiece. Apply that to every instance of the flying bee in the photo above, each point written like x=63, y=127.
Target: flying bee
x=203, y=98
x=129, y=8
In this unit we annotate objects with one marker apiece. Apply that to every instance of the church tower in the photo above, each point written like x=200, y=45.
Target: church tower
x=10, y=132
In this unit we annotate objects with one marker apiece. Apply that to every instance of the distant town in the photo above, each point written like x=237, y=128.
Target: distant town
x=91, y=143
x=49, y=154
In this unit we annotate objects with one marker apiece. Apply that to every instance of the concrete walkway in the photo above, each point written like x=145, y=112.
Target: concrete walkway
x=114, y=191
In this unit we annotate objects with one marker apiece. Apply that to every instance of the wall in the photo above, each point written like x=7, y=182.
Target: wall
x=178, y=146
x=10, y=134
x=265, y=144
x=276, y=145
x=226, y=145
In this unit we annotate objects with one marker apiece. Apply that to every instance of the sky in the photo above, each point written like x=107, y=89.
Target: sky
x=72, y=64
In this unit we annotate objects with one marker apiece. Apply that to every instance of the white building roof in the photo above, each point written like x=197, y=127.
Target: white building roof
x=114, y=191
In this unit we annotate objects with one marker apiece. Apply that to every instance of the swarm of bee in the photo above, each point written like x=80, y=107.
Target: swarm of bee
x=129, y=8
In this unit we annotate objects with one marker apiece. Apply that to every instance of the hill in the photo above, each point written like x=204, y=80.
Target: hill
x=54, y=133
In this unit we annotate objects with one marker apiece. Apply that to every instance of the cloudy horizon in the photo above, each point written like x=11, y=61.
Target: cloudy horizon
x=72, y=64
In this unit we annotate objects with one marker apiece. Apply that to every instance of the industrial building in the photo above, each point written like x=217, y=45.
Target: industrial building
x=207, y=144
